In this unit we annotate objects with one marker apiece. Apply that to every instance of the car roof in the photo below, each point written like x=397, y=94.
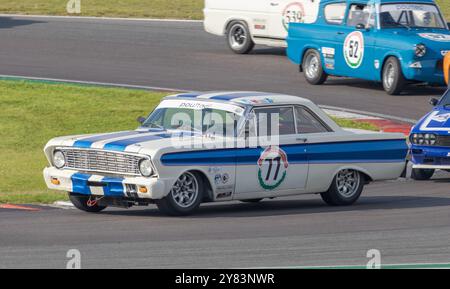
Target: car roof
x=247, y=98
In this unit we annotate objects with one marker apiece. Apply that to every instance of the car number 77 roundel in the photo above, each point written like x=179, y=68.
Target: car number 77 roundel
x=272, y=168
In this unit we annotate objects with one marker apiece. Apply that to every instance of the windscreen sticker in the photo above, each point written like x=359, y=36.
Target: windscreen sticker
x=435, y=37
x=201, y=105
x=354, y=49
x=272, y=168
x=293, y=13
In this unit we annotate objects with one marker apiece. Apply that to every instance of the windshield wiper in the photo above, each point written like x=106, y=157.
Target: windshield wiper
x=154, y=125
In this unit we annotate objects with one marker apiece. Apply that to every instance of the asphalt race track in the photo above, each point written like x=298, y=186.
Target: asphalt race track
x=409, y=222
x=177, y=55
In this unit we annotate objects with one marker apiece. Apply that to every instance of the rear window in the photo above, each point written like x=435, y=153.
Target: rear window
x=335, y=13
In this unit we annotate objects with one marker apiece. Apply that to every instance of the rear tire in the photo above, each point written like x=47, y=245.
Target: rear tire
x=185, y=197
x=345, y=190
x=422, y=174
x=313, y=68
x=239, y=38
x=393, y=79
x=81, y=203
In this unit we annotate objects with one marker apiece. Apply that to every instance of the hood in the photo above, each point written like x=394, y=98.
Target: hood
x=437, y=40
x=145, y=141
x=437, y=121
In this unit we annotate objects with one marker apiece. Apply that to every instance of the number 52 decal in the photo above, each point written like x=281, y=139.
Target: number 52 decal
x=354, y=49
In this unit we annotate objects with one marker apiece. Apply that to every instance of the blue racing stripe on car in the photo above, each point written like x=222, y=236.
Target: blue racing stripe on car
x=87, y=142
x=121, y=145
x=80, y=184
x=114, y=187
x=231, y=96
x=341, y=152
x=189, y=95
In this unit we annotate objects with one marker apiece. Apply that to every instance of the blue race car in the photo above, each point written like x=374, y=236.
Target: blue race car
x=390, y=41
x=430, y=140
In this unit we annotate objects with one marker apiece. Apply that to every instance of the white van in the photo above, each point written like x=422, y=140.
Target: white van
x=250, y=22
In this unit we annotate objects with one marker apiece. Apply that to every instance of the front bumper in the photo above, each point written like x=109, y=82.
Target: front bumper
x=430, y=70
x=424, y=157
x=98, y=185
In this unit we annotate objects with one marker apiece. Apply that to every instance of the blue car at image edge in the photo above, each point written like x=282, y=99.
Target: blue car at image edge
x=430, y=141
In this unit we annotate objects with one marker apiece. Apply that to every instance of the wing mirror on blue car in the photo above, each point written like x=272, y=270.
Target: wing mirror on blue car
x=434, y=101
x=141, y=120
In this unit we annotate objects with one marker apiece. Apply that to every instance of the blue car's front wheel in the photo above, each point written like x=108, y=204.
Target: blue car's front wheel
x=313, y=68
x=393, y=79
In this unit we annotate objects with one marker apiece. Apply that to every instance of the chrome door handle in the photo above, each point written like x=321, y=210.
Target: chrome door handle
x=303, y=140
x=340, y=33
x=274, y=4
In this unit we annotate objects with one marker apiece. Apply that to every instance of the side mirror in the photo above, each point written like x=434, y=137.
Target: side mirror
x=361, y=26
x=434, y=101
x=141, y=119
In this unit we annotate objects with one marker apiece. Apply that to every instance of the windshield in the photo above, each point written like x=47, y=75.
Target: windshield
x=197, y=117
x=411, y=16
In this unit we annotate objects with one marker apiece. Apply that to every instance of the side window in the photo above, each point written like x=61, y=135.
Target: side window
x=335, y=13
x=361, y=14
x=267, y=118
x=307, y=122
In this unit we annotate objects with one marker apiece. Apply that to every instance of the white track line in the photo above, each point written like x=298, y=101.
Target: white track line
x=100, y=18
x=118, y=85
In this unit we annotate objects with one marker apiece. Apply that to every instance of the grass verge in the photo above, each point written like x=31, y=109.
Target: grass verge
x=35, y=112
x=182, y=9
x=173, y=9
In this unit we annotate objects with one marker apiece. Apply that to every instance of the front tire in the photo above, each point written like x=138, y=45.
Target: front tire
x=185, y=197
x=313, y=68
x=239, y=38
x=393, y=79
x=422, y=174
x=345, y=190
x=84, y=203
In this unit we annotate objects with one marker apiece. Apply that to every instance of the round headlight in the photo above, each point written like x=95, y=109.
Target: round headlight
x=145, y=167
x=430, y=139
x=59, y=160
x=421, y=50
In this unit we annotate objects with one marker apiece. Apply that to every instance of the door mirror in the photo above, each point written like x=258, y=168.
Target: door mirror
x=434, y=101
x=141, y=119
x=361, y=26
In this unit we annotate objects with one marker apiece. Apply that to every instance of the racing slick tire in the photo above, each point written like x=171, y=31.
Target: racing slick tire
x=254, y=201
x=313, y=68
x=346, y=188
x=185, y=196
x=82, y=203
x=239, y=38
x=422, y=174
x=392, y=78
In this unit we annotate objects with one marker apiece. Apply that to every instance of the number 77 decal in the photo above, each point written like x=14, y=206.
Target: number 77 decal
x=268, y=177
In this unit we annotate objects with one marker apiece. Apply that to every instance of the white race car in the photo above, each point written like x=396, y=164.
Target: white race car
x=250, y=22
x=247, y=146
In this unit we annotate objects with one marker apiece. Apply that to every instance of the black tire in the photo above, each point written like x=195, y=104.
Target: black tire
x=239, y=38
x=393, y=84
x=170, y=206
x=334, y=197
x=81, y=202
x=252, y=201
x=312, y=68
x=422, y=174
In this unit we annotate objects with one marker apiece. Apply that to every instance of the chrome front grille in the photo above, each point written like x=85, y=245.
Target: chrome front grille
x=101, y=161
x=443, y=141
